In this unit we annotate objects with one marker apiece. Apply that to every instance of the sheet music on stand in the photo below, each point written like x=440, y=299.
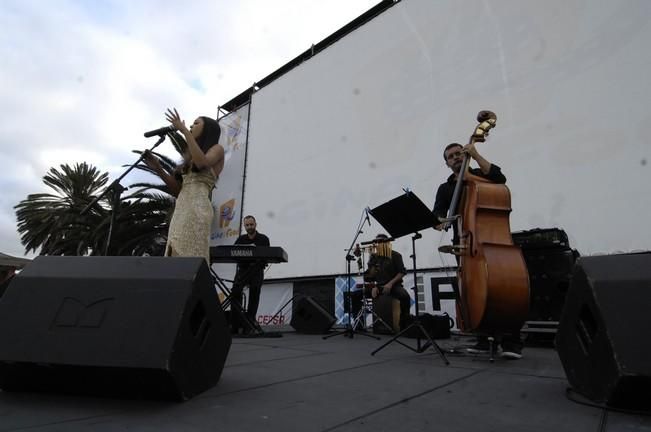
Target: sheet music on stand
x=403, y=215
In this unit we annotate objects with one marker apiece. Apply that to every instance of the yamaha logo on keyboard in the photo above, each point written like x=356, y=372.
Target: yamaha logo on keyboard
x=243, y=253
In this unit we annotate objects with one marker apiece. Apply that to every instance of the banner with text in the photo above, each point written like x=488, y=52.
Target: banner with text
x=228, y=194
x=275, y=307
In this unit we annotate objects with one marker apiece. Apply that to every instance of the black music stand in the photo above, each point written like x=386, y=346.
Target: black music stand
x=400, y=216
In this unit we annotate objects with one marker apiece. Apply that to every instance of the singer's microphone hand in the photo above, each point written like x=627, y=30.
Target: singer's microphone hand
x=151, y=161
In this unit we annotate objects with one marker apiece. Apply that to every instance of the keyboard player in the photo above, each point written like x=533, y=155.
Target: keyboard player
x=249, y=274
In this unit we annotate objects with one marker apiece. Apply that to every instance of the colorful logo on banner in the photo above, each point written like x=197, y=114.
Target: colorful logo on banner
x=226, y=213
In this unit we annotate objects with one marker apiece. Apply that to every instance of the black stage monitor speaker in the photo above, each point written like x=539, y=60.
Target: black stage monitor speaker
x=605, y=328
x=147, y=327
x=310, y=317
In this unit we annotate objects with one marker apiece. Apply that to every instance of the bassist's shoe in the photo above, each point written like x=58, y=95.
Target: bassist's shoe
x=480, y=347
x=511, y=352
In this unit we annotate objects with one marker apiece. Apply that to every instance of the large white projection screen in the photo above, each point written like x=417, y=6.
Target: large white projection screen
x=370, y=115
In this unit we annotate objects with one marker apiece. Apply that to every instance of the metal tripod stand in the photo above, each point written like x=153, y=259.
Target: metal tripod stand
x=416, y=323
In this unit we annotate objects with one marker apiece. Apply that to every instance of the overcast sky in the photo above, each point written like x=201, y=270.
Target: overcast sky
x=81, y=80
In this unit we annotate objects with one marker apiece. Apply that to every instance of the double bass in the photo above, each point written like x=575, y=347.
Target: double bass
x=493, y=282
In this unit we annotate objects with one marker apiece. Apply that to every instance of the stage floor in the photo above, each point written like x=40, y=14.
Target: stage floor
x=304, y=383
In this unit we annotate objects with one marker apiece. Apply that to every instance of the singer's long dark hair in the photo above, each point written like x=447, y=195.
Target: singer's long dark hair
x=209, y=137
x=210, y=134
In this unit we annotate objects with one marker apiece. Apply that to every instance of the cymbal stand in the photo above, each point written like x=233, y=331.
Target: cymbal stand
x=349, y=330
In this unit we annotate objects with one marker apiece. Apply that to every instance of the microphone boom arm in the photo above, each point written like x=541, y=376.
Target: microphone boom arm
x=117, y=181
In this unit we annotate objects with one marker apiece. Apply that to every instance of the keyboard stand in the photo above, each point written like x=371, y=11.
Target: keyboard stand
x=236, y=307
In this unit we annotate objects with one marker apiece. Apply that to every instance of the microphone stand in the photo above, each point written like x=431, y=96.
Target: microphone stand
x=116, y=189
x=349, y=331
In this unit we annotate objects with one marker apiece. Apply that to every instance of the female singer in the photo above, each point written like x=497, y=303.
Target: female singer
x=192, y=183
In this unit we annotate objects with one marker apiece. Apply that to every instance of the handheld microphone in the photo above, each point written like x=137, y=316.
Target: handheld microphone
x=160, y=131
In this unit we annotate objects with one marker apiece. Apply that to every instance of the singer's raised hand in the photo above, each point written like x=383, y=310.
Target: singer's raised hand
x=173, y=117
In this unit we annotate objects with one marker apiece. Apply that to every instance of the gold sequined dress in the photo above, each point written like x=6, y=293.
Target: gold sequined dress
x=189, y=232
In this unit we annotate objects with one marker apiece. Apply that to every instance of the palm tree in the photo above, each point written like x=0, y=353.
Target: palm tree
x=53, y=222
x=143, y=222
